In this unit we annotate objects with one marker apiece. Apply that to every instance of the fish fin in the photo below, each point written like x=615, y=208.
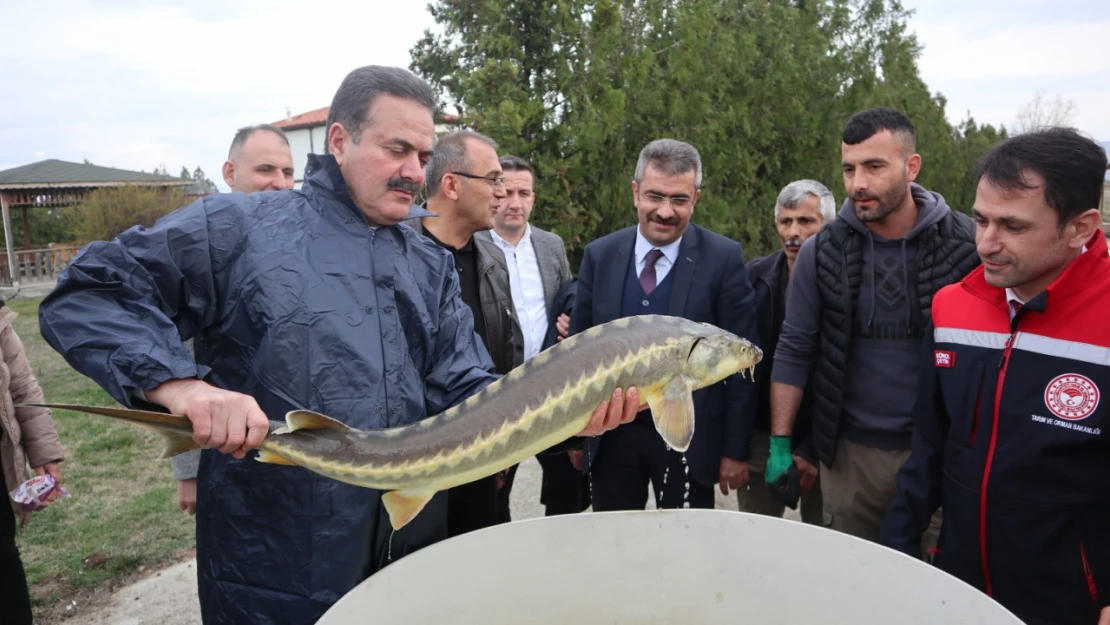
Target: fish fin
x=176, y=443
x=403, y=506
x=270, y=457
x=308, y=420
x=672, y=409
x=176, y=430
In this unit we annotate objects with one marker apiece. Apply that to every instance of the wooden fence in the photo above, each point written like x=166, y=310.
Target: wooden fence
x=39, y=265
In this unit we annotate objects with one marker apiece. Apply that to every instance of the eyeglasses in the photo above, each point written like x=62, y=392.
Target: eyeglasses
x=677, y=201
x=496, y=182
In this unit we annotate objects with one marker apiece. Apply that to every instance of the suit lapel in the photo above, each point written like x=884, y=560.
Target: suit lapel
x=546, y=262
x=614, y=276
x=684, y=271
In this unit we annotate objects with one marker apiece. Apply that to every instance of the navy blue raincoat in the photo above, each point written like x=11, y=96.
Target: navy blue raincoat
x=300, y=304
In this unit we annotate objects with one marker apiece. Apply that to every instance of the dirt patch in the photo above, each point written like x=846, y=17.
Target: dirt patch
x=73, y=603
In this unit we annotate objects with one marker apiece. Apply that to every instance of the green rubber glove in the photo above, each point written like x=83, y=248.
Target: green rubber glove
x=780, y=459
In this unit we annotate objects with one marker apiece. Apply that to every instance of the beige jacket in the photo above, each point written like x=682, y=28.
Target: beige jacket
x=28, y=434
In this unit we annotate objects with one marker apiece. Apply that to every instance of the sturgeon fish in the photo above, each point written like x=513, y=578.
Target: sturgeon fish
x=537, y=405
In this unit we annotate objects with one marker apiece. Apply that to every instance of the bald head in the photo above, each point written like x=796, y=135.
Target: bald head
x=259, y=160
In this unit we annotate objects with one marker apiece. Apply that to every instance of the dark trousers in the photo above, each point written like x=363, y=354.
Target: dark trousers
x=565, y=490
x=15, y=601
x=479, y=504
x=633, y=456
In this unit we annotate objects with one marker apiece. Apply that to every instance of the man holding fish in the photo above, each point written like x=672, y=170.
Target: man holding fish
x=321, y=299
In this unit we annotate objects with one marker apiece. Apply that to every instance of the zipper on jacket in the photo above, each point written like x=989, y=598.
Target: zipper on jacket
x=1002, y=365
x=1091, y=588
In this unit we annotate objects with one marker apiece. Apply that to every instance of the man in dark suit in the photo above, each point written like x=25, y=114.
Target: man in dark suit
x=666, y=265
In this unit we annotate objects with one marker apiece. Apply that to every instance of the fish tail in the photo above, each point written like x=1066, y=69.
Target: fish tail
x=175, y=430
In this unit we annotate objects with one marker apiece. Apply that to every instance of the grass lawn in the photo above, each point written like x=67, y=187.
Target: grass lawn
x=123, y=509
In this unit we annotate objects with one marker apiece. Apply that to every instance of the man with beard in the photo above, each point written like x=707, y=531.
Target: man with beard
x=858, y=304
x=803, y=206
x=666, y=265
x=321, y=299
x=466, y=186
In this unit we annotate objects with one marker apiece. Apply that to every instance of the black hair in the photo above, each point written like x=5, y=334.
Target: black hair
x=1071, y=165
x=511, y=162
x=362, y=86
x=863, y=125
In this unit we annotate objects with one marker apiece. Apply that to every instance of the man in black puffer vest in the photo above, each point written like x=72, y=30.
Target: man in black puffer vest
x=858, y=303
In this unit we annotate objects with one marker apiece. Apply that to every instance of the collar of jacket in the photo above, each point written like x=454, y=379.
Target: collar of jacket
x=1088, y=270
x=769, y=268
x=489, y=255
x=322, y=173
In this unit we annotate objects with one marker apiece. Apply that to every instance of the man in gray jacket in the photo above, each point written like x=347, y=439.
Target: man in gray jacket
x=858, y=302
x=538, y=271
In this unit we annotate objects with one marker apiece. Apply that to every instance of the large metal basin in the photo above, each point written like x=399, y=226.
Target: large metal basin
x=690, y=567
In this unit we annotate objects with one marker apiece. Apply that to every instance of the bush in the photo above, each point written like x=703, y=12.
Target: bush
x=108, y=212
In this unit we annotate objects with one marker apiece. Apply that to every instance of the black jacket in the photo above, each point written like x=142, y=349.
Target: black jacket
x=769, y=277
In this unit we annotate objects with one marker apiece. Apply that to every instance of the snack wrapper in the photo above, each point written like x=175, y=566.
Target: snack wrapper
x=32, y=494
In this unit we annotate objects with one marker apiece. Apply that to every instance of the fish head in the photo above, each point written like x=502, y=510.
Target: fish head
x=717, y=354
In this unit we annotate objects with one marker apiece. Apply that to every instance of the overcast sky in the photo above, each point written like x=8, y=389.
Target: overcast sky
x=134, y=84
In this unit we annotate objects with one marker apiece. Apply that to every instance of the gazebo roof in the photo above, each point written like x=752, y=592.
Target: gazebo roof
x=54, y=173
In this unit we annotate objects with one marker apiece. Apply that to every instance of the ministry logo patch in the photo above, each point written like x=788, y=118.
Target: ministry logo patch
x=1072, y=397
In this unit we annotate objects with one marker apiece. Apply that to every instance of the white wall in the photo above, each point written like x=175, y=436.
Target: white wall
x=302, y=142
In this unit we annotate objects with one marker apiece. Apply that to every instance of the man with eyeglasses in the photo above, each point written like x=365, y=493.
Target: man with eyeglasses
x=466, y=186
x=668, y=266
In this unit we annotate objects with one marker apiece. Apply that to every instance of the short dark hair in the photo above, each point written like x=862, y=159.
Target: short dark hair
x=511, y=162
x=245, y=133
x=1072, y=166
x=865, y=124
x=450, y=154
x=357, y=92
x=671, y=157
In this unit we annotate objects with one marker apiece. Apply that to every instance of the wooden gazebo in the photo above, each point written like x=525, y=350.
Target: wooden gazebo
x=54, y=183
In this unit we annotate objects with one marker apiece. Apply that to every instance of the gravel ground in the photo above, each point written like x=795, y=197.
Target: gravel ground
x=169, y=597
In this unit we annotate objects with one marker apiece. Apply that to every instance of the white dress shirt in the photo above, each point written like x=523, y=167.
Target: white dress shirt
x=665, y=262
x=527, y=290
x=1012, y=298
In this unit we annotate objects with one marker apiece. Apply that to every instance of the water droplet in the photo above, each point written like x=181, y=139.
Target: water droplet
x=686, y=504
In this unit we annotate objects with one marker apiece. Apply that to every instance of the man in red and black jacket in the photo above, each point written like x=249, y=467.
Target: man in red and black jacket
x=1012, y=433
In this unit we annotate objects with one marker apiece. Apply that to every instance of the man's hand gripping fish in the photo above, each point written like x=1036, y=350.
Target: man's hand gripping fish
x=537, y=405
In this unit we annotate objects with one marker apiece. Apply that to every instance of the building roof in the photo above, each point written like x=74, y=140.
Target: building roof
x=319, y=117
x=311, y=119
x=55, y=173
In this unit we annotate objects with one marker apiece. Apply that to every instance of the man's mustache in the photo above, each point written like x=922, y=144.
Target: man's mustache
x=794, y=242
x=670, y=221
x=864, y=196
x=403, y=185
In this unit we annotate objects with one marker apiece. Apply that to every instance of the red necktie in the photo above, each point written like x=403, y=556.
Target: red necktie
x=647, y=276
